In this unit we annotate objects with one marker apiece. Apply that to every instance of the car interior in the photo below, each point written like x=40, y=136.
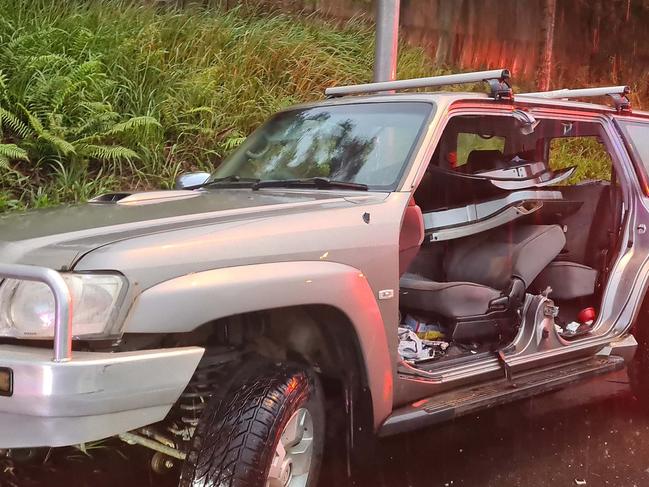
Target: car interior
x=508, y=206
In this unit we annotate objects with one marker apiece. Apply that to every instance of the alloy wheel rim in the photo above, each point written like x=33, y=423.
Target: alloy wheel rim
x=293, y=453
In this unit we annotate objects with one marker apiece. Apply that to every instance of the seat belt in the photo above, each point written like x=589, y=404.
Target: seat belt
x=613, y=231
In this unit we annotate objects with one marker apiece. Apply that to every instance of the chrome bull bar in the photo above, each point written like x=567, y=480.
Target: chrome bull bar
x=62, y=303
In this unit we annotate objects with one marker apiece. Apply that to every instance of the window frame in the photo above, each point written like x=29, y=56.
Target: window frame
x=547, y=149
x=398, y=182
x=640, y=168
x=610, y=133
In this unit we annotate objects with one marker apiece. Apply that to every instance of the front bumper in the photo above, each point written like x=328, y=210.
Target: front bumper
x=60, y=398
x=92, y=396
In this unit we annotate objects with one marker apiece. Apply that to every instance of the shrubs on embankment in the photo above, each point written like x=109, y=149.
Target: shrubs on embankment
x=96, y=95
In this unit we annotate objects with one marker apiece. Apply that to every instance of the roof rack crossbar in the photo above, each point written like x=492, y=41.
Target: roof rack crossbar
x=617, y=93
x=498, y=80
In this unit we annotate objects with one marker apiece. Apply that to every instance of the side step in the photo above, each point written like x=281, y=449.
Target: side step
x=455, y=403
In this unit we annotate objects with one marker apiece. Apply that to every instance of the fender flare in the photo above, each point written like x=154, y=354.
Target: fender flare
x=184, y=303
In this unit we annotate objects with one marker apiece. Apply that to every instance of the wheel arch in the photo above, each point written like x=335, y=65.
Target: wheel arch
x=332, y=303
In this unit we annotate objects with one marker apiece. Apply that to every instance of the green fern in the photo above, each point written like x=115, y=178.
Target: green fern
x=81, y=39
x=33, y=120
x=122, y=93
x=133, y=125
x=3, y=86
x=77, y=79
x=59, y=144
x=9, y=152
x=111, y=153
x=233, y=142
x=9, y=119
x=12, y=151
x=46, y=61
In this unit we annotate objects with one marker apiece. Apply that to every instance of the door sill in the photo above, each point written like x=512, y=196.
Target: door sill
x=458, y=402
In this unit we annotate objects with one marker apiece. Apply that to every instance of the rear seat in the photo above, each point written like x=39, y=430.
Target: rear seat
x=568, y=280
x=575, y=273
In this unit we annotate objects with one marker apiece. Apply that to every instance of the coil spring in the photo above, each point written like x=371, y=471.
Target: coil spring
x=207, y=380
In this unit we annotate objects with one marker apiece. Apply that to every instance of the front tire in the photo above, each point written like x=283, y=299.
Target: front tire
x=267, y=432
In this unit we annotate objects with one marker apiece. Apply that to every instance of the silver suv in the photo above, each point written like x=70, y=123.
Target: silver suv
x=362, y=266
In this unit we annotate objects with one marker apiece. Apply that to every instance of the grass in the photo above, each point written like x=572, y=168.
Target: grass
x=588, y=154
x=96, y=95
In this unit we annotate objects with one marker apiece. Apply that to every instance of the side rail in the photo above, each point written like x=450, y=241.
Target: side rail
x=62, y=303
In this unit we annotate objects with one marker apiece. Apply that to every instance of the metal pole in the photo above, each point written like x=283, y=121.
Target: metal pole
x=387, y=40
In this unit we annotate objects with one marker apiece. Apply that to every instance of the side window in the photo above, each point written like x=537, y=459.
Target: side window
x=589, y=154
x=637, y=135
x=467, y=142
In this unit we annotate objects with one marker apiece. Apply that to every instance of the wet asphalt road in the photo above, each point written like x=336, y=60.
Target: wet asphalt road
x=594, y=434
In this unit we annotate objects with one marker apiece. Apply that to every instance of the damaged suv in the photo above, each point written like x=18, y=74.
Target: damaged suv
x=362, y=266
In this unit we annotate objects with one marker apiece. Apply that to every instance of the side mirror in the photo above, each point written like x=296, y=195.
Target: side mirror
x=191, y=179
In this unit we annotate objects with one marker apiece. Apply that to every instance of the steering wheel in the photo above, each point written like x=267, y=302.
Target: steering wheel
x=486, y=136
x=256, y=155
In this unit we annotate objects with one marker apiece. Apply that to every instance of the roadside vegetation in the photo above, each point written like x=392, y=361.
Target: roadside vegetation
x=96, y=95
x=588, y=154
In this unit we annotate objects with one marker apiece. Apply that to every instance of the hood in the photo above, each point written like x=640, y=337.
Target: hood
x=58, y=237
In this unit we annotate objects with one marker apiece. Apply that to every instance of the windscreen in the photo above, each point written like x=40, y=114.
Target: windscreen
x=367, y=143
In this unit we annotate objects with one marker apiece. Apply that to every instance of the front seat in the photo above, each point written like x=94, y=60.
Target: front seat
x=483, y=273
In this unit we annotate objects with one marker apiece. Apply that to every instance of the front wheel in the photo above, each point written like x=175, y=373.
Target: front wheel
x=267, y=432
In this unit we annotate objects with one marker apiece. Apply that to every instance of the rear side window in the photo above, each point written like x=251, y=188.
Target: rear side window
x=637, y=135
x=588, y=154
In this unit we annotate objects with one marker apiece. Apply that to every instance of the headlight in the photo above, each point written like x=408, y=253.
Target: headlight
x=27, y=308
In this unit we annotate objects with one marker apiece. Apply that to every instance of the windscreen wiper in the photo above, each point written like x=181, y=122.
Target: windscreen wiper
x=316, y=182
x=233, y=179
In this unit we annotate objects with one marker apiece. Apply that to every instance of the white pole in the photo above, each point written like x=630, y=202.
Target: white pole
x=387, y=40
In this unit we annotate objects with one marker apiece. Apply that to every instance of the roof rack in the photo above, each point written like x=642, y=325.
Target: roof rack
x=619, y=94
x=498, y=80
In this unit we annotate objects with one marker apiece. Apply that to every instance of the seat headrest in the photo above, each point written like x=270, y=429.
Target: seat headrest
x=485, y=160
